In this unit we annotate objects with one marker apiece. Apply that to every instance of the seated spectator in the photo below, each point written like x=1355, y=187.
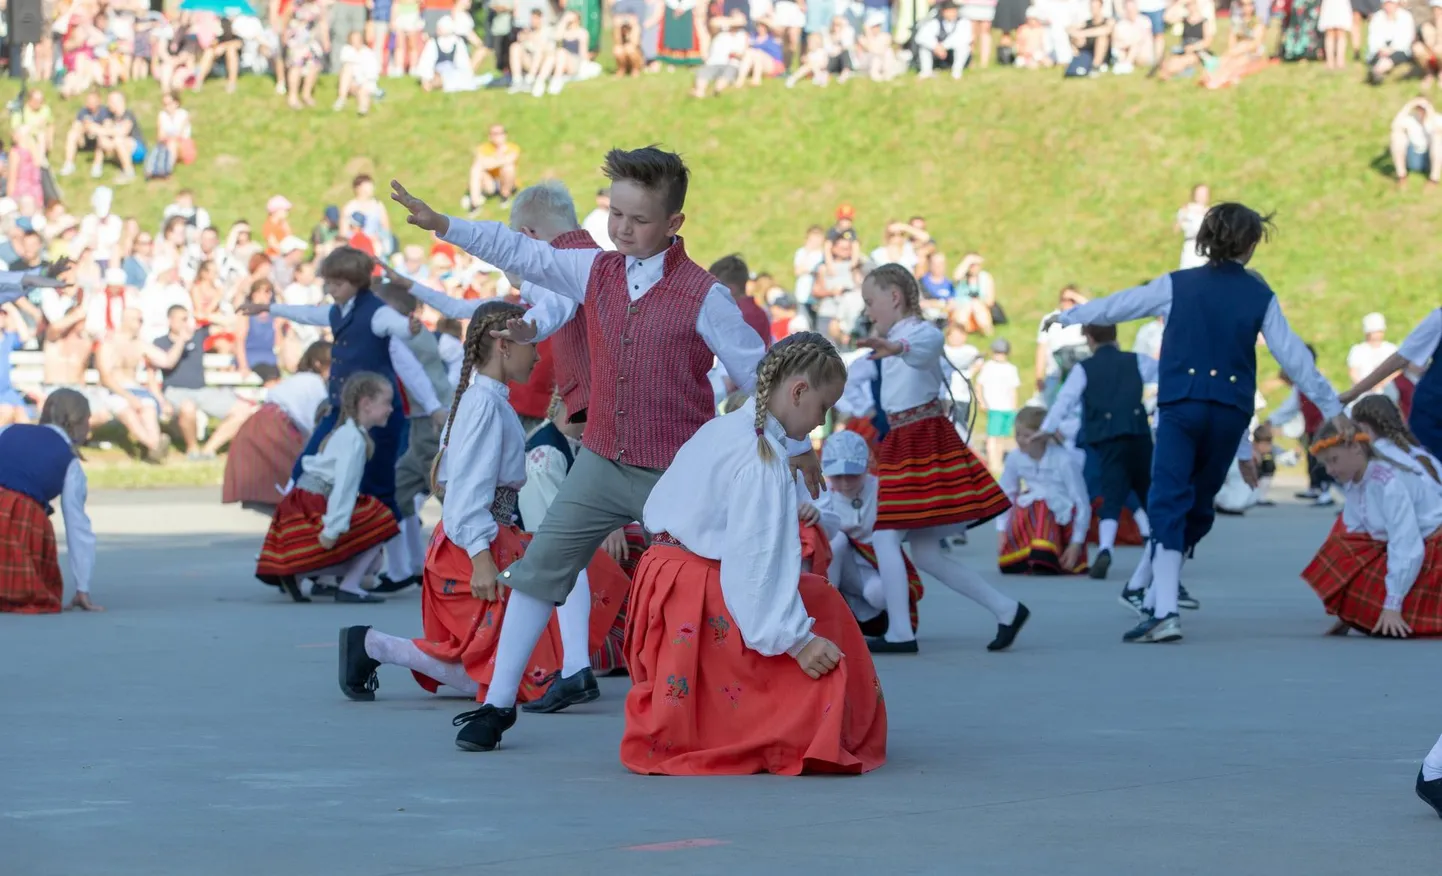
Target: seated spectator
x=1366, y=357
x=1391, y=34
x=360, y=75
x=875, y=52
x=1092, y=41
x=1132, y=41
x=33, y=127
x=172, y=139
x=975, y=295
x=786, y=318
x=224, y=44
x=897, y=246
x=327, y=230
x=464, y=23
x=533, y=46
x=1197, y=33
x=375, y=221
x=185, y=393
x=572, y=58
x=814, y=65
x=185, y=207
x=1246, y=48
x=1414, y=142
x=445, y=62
x=840, y=44
x=105, y=308
x=277, y=223
x=937, y=291
x=117, y=361
x=943, y=40
x=723, y=58
x=494, y=172
x=1427, y=51
x=837, y=292
x=626, y=43
x=139, y=264
x=304, y=53
x=84, y=133
x=255, y=336
x=1031, y=42
x=120, y=138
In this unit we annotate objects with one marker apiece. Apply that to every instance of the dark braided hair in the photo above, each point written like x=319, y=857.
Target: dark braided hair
x=1381, y=415
x=1230, y=231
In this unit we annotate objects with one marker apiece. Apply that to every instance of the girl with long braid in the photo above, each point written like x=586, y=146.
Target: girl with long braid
x=1380, y=418
x=931, y=485
x=741, y=662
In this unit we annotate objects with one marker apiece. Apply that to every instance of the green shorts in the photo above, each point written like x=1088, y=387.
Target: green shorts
x=999, y=424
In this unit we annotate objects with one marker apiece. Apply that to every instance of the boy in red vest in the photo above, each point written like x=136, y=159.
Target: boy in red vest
x=655, y=322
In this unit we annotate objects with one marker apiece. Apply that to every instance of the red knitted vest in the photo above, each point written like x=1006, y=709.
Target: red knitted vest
x=568, y=345
x=649, y=390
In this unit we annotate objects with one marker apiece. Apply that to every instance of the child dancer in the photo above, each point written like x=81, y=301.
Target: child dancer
x=851, y=499
x=1378, y=416
x=1108, y=387
x=931, y=484
x=327, y=524
x=263, y=451
x=650, y=356
x=1206, y=390
x=39, y=464
x=742, y=663
x=1049, y=505
x=1380, y=571
x=1429, y=778
x=1416, y=351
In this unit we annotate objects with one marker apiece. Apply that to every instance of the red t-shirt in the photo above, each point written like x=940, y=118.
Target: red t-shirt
x=756, y=318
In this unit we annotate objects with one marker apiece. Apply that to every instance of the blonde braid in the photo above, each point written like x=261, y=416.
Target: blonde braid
x=765, y=375
x=899, y=278
x=805, y=353
x=490, y=316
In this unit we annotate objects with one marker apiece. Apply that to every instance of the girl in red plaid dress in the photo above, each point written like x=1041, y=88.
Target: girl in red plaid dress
x=1380, y=570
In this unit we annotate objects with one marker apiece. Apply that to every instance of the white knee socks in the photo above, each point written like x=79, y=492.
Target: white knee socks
x=1142, y=576
x=403, y=652
x=358, y=568
x=892, y=566
x=1432, y=766
x=1144, y=523
x=524, y=621
x=397, y=562
x=1106, y=535
x=574, y=618
x=1166, y=581
x=415, y=545
x=928, y=556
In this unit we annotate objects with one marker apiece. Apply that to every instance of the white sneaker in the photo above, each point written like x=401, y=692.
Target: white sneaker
x=539, y=88
x=557, y=83
x=1123, y=68
x=1324, y=500
x=95, y=172
x=280, y=88
x=67, y=169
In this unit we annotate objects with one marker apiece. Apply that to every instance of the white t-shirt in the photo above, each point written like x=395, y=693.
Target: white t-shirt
x=1364, y=358
x=365, y=66
x=881, y=256
x=155, y=303
x=805, y=263
x=1417, y=135
x=962, y=358
x=1059, y=337
x=998, y=382
x=726, y=47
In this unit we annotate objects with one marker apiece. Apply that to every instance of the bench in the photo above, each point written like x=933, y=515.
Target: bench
x=27, y=372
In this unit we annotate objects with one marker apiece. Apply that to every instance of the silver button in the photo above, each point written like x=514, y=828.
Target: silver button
x=1233, y=378
x=625, y=340
x=620, y=413
x=1191, y=371
x=1213, y=372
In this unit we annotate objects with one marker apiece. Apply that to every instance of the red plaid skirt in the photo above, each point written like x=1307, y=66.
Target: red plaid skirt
x=261, y=457
x=1127, y=531
x=611, y=654
x=815, y=550
x=30, y=581
x=914, y=590
x=1035, y=542
x=1349, y=573
x=292, y=545
x=929, y=477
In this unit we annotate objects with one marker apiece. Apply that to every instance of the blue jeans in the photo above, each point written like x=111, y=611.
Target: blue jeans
x=1196, y=443
x=1418, y=160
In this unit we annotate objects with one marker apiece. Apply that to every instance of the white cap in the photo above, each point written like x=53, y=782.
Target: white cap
x=277, y=202
x=115, y=277
x=293, y=244
x=845, y=453
x=1373, y=322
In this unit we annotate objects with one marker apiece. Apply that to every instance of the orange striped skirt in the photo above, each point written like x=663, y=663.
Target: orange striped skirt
x=292, y=545
x=929, y=477
x=261, y=457
x=30, y=581
x=1035, y=542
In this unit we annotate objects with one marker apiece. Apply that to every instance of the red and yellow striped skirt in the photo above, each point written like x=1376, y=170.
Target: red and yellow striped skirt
x=1035, y=542
x=929, y=477
x=292, y=545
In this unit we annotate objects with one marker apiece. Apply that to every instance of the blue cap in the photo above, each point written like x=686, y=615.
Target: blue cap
x=332, y=214
x=845, y=453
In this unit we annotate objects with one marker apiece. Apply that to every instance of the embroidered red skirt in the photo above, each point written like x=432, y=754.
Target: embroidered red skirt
x=292, y=545
x=1128, y=533
x=261, y=456
x=462, y=629
x=1035, y=542
x=30, y=581
x=815, y=550
x=1349, y=574
x=703, y=704
x=914, y=590
x=610, y=656
x=929, y=477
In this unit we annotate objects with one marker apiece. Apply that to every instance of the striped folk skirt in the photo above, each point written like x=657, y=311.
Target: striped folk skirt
x=929, y=477
x=703, y=704
x=261, y=457
x=914, y=589
x=1128, y=533
x=1035, y=542
x=30, y=581
x=292, y=545
x=1349, y=573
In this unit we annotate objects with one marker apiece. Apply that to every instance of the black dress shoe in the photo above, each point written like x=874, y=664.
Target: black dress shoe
x=879, y=645
x=481, y=729
x=1101, y=564
x=347, y=596
x=322, y=591
x=1006, y=633
x=386, y=585
x=1430, y=792
x=357, y=670
x=565, y=692
x=291, y=586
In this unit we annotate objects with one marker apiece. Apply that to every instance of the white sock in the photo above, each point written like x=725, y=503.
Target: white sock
x=1142, y=576
x=403, y=652
x=1144, y=523
x=928, y=556
x=524, y=621
x=358, y=568
x=1432, y=766
x=1166, y=580
x=574, y=618
x=892, y=566
x=415, y=545
x=1106, y=535
x=397, y=564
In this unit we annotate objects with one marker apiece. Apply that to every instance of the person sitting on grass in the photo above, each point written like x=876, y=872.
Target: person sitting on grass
x=1197, y=33
x=1390, y=35
x=494, y=172
x=360, y=74
x=763, y=58
x=723, y=60
x=1414, y=142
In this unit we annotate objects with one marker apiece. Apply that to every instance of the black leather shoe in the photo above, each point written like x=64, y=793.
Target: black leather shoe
x=481, y=729
x=319, y=590
x=347, y=596
x=291, y=586
x=386, y=585
x=565, y=692
x=1430, y=792
x=357, y=670
x=1006, y=633
x=1101, y=564
x=879, y=645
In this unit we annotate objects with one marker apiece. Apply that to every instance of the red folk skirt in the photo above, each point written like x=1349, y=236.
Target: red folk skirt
x=815, y=550
x=462, y=629
x=610, y=655
x=914, y=590
x=261, y=456
x=929, y=477
x=703, y=704
x=292, y=545
x=1128, y=533
x=1349, y=574
x=1035, y=542
x=30, y=581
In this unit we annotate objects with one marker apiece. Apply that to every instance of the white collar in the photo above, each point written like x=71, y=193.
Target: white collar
x=491, y=385
x=773, y=428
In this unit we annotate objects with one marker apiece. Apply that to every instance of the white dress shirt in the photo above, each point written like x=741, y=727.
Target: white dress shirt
x=545, y=470
x=1421, y=344
x=1069, y=397
x=723, y=502
x=909, y=379
x=486, y=450
x=79, y=535
x=1387, y=35
x=1416, y=456
x=453, y=353
x=1400, y=508
x=300, y=396
x=1054, y=479
x=1155, y=299
x=854, y=517
x=386, y=323
x=339, y=465
x=829, y=522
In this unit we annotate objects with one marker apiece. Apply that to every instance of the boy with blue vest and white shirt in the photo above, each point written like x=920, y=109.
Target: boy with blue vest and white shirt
x=1206, y=388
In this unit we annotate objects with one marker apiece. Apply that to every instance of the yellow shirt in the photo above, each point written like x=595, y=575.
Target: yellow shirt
x=488, y=151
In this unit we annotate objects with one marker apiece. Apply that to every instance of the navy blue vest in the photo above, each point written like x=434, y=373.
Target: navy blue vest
x=548, y=436
x=1112, y=402
x=1426, y=416
x=33, y=462
x=356, y=346
x=1209, y=345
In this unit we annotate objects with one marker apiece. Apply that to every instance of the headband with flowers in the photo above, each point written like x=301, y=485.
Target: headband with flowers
x=1335, y=440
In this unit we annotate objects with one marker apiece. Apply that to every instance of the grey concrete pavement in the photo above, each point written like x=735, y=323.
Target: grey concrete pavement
x=196, y=728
